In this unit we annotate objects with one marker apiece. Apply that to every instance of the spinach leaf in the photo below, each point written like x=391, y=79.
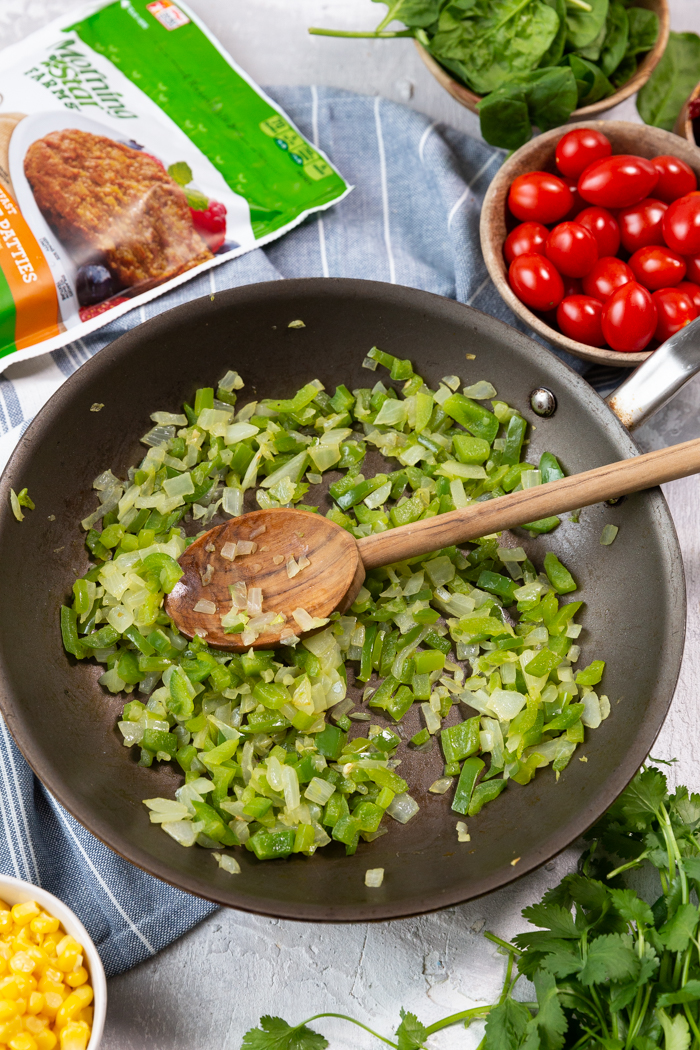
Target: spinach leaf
x=554, y=52
x=592, y=51
x=414, y=13
x=544, y=97
x=583, y=26
x=504, y=118
x=616, y=38
x=625, y=71
x=591, y=82
x=497, y=40
x=660, y=100
x=644, y=29
x=552, y=98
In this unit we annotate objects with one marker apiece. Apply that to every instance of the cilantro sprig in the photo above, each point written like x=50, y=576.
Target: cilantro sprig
x=610, y=970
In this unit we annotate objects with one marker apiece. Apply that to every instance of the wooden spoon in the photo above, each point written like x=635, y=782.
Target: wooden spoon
x=338, y=562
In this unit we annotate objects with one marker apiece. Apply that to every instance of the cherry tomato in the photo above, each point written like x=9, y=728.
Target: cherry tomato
x=539, y=197
x=604, y=228
x=579, y=148
x=676, y=179
x=527, y=237
x=682, y=225
x=579, y=317
x=675, y=310
x=691, y=289
x=536, y=282
x=629, y=318
x=606, y=277
x=642, y=224
x=618, y=182
x=657, y=267
x=693, y=264
x=572, y=249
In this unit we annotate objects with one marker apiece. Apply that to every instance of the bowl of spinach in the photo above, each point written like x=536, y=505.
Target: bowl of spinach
x=519, y=63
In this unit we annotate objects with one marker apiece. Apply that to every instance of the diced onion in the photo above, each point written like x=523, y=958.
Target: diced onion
x=205, y=606
x=481, y=391
x=374, y=877
x=228, y=863
x=402, y=808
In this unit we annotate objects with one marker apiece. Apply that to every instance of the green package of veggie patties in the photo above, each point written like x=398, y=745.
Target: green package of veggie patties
x=134, y=154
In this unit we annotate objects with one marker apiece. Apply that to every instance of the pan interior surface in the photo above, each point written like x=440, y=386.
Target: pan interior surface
x=65, y=723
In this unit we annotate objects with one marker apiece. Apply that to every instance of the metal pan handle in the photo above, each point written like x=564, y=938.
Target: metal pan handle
x=659, y=379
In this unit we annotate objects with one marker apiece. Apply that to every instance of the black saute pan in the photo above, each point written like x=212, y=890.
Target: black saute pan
x=66, y=725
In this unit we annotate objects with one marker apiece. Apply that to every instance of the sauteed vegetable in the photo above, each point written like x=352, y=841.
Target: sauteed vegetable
x=263, y=738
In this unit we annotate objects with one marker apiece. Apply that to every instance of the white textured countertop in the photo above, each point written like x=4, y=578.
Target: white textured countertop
x=204, y=991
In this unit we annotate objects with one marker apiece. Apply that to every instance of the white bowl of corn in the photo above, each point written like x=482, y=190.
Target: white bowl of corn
x=53, y=992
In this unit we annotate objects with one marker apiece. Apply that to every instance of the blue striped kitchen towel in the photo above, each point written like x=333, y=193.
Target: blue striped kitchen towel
x=413, y=219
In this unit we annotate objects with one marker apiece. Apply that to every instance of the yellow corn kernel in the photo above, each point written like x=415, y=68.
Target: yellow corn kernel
x=10, y=987
x=52, y=1004
x=75, y=1036
x=72, y=1006
x=44, y=923
x=35, y=1025
x=36, y=1003
x=23, y=1041
x=50, y=941
x=46, y=1040
x=24, y=913
x=86, y=1015
x=24, y=940
x=66, y=942
x=5, y=919
x=9, y=1008
x=68, y=957
x=77, y=977
x=22, y=962
x=26, y=984
x=53, y=988
x=4, y=906
x=10, y=1029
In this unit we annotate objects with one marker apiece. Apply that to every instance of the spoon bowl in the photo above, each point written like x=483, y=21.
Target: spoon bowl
x=280, y=539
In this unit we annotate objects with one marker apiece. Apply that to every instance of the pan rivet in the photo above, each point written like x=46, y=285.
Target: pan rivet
x=543, y=402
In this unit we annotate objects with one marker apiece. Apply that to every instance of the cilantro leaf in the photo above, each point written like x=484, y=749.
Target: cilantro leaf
x=551, y=1021
x=676, y=933
x=691, y=866
x=552, y=917
x=588, y=893
x=563, y=961
x=631, y=907
x=622, y=995
x=686, y=807
x=411, y=1033
x=610, y=958
x=505, y=1026
x=641, y=800
x=276, y=1034
x=689, y=993
x=676, y=1032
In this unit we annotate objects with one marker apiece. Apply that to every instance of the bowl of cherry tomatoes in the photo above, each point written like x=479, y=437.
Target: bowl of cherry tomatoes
x=592, y=237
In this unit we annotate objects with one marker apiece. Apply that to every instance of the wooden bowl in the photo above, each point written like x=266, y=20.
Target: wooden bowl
x=538, y=155
x=469, y=99
x=684, y=125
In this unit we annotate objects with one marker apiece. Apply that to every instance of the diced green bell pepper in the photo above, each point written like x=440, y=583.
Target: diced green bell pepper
x=471, y=770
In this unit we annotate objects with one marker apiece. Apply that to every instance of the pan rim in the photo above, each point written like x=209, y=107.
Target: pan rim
x=128, y=343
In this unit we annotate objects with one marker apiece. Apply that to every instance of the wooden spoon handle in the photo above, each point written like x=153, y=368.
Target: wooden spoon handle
x=517, y=508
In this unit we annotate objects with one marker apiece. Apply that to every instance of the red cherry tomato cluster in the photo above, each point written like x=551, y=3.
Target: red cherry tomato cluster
x=609, y=249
